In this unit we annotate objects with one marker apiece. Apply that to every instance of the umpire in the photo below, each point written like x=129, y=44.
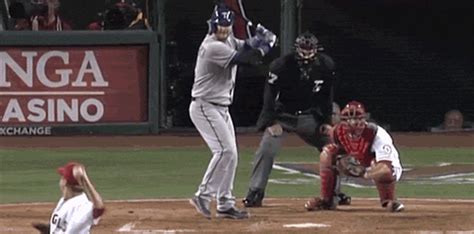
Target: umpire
x=298, y=98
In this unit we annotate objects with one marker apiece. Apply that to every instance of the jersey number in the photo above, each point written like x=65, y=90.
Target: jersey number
x=318, y=84
x=272, y=77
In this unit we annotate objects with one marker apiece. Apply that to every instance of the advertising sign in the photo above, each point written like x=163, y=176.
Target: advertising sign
x=73, y=85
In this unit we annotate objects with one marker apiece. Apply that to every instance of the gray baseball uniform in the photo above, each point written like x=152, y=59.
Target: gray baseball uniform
x=212, y=93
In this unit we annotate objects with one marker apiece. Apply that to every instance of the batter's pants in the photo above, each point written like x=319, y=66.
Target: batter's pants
x=214, y=123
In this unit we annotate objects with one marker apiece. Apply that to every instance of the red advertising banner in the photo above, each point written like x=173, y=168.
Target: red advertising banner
x=67, y=85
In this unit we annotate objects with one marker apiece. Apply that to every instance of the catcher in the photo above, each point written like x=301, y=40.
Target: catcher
x=80, y=206
x=358, y=149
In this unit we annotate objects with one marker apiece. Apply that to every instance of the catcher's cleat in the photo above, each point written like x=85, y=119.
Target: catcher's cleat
x=233, y=213
x=343, y=199
x=202, y=206
x=393, y=206
x=319, y=204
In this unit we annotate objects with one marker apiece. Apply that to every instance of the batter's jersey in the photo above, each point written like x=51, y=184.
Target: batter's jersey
x=214, y=76
x=74, y=216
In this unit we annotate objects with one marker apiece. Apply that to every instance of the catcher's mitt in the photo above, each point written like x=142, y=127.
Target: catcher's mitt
x=350, y=166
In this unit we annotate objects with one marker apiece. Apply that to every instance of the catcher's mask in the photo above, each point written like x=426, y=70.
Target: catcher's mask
x=306, y=46
x=355, y=116
x=221, y=21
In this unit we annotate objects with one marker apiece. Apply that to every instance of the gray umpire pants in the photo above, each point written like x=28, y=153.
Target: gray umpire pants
x=305, y=126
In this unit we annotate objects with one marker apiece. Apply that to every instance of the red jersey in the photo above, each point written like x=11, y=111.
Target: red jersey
x=359, y=147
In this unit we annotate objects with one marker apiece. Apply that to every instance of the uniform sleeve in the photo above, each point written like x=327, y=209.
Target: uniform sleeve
x=272, y=88
x=239, y=43
x=218, y=53
x=383, y=146
x=81, y=220
x=330, y=76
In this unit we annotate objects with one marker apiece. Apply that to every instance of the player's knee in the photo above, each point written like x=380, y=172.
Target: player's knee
x=267, y=151
x=229, y=151
x=384, y=174
x=326, y=158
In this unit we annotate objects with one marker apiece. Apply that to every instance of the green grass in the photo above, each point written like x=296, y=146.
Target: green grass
x=28, y=175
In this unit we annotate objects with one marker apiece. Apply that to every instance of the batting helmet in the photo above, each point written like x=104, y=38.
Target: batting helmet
x=221, y=16
x=306, y=46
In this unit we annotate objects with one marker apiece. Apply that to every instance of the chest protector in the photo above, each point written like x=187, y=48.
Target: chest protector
x=360, y=146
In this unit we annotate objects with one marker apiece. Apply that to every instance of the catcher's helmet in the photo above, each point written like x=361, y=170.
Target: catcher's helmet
x=353, y=110
x=355, y=117
x=306, y=46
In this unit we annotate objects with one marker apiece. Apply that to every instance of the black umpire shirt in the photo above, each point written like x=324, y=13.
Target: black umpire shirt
x=298, y=89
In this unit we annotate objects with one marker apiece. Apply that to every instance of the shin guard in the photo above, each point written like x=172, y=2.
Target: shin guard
x=386, y=188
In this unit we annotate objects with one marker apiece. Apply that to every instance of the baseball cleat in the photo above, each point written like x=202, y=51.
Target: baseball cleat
x=393, y=206
x=319, y=204
x=201, y=205
x=343, y=199
x=396, y=206
x=233, y=213
x=254, y=198
x=249, y=203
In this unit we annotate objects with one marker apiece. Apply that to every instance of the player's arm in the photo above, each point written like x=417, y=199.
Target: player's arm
x=255, y=48
x=80, y=174
x=271, y=91
x=247, y=56
x=385, y=152
x=330, y=74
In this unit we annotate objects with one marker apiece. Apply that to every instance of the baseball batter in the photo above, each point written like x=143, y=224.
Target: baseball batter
x=371, y=147
x=212, y=93
x=80, y=206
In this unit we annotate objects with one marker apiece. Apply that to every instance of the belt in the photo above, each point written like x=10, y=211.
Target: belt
x=305, y=112
x=213, y=103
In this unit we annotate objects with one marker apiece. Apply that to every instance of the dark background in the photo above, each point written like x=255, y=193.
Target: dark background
x=409, y=62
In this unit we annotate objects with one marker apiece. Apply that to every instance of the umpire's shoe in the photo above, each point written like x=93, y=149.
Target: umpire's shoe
x=202, y=206
x=233, y=213
x=254, y=198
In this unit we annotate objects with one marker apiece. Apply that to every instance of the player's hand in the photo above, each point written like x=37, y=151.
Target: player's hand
x=79, y=172
x=275, y=130
x=265, y=35
x=41, y=227
x=348, y=165
x=325, y=129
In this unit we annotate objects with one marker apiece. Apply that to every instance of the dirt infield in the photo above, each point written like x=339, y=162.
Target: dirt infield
x=277, y=215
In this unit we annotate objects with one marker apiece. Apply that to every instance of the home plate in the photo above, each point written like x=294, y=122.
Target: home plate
x=306, y=225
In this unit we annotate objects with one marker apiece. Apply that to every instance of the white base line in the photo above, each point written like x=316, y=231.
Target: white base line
x=51, y=93
x=269, y=199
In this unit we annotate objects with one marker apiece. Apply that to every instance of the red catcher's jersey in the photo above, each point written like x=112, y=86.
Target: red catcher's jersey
x=359, y=147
